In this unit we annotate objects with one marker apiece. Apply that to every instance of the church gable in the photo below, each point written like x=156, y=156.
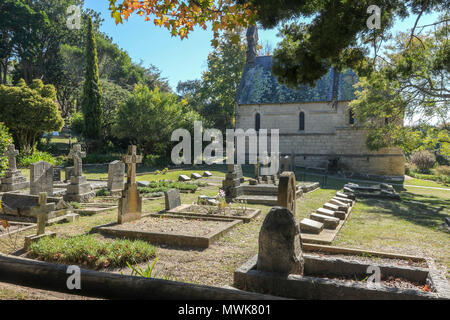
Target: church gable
x=260, y=86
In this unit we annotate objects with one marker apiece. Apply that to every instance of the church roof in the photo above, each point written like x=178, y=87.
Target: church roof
x=260, y=86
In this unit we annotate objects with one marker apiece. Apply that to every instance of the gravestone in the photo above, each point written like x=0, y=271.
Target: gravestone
x=70, y=172
x=172, y=198
x=232, y=183
x=287, y=189
x=184, y=178
x=79, y=189
x=130, y=204
x=41, y=213
x=116, y=172
x=56, y=174
x=280, y=247
x=13, y=179
x=41, y=178
x=207, y=174
x=196, y=176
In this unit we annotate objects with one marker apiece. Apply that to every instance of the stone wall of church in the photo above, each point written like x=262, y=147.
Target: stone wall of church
x=327, y=136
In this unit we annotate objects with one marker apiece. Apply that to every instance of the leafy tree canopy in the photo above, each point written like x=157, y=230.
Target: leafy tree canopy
x=28, y=111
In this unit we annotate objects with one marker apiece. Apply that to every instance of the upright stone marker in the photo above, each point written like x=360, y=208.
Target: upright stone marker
x=287, y=189
x=130, y=205
x=13, y=179
x=41, y=213
x=232, y=183
x=41, y=178
x=70, y=172
x=116, y=171
x=56, y=174
x=280, y=247
x=172, y=198
x=80, y=189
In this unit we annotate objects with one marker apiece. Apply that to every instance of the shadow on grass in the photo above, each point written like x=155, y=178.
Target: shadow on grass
x=424, y=210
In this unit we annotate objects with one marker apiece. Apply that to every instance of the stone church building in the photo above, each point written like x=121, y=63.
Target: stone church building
x=315, y=123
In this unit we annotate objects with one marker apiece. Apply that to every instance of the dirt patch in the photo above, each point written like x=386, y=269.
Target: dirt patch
x=374, y=260
x=390, y=282
x=211, y=210
x=192, y=227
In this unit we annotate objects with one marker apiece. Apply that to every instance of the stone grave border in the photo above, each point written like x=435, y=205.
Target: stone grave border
x=310, y=287
x=181, y=210
x=26, y=226
x=169, y=238
x=89, y=209
x=50, y=276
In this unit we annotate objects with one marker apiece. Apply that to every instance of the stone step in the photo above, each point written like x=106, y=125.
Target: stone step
x=328, y=222
x=311, y=226
x=326, y=212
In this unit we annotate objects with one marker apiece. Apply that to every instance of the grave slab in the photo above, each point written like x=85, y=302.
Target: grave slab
x=196, y=176
x=328, y=222
x=184, y=178
x=331, y=206
x=326, y=212
x=311, y=226
x=157, y=228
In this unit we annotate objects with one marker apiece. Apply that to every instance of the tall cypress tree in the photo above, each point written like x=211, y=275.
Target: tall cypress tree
x=91, y=104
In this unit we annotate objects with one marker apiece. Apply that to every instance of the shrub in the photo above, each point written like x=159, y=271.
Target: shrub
x=5, y=140
x=89, y=250
x=103, y=192
x=154, y=160
x=93, y=158
x=442, y=171
x=76, y=123
x=163, y=186
x=25, y=160
x=424, y=160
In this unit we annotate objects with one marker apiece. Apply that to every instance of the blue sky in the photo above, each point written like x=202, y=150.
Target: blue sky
x=179, y=60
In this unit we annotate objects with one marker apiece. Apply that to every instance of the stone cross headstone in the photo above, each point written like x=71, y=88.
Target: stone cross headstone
x=41, y=178
x=287, y=191
x=280, y=247
x=13, y=179
x=116, y=171
x=172, y=199
x=77, y=155
x=79, y=189
x=130, y=204
x=41, y=212
x=12, y=153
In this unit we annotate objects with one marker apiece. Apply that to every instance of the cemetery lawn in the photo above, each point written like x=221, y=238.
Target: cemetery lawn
x=411, y=227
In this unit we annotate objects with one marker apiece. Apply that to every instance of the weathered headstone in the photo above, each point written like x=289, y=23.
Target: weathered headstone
x=207, y=174
x=311, y=226
x=280, y=248
x=70, y=172
x=79, y=189
x=196, y=176
x=328, y=222
x=232, y=183
x=130, y=204
x=41, y=178
x=116, y=172
x=56, y=174
x=172, y=198
x=184, y=178
x=13, y=179
x=287, y=188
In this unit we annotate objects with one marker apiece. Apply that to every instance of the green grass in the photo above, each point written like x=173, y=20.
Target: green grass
x=90, y=250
